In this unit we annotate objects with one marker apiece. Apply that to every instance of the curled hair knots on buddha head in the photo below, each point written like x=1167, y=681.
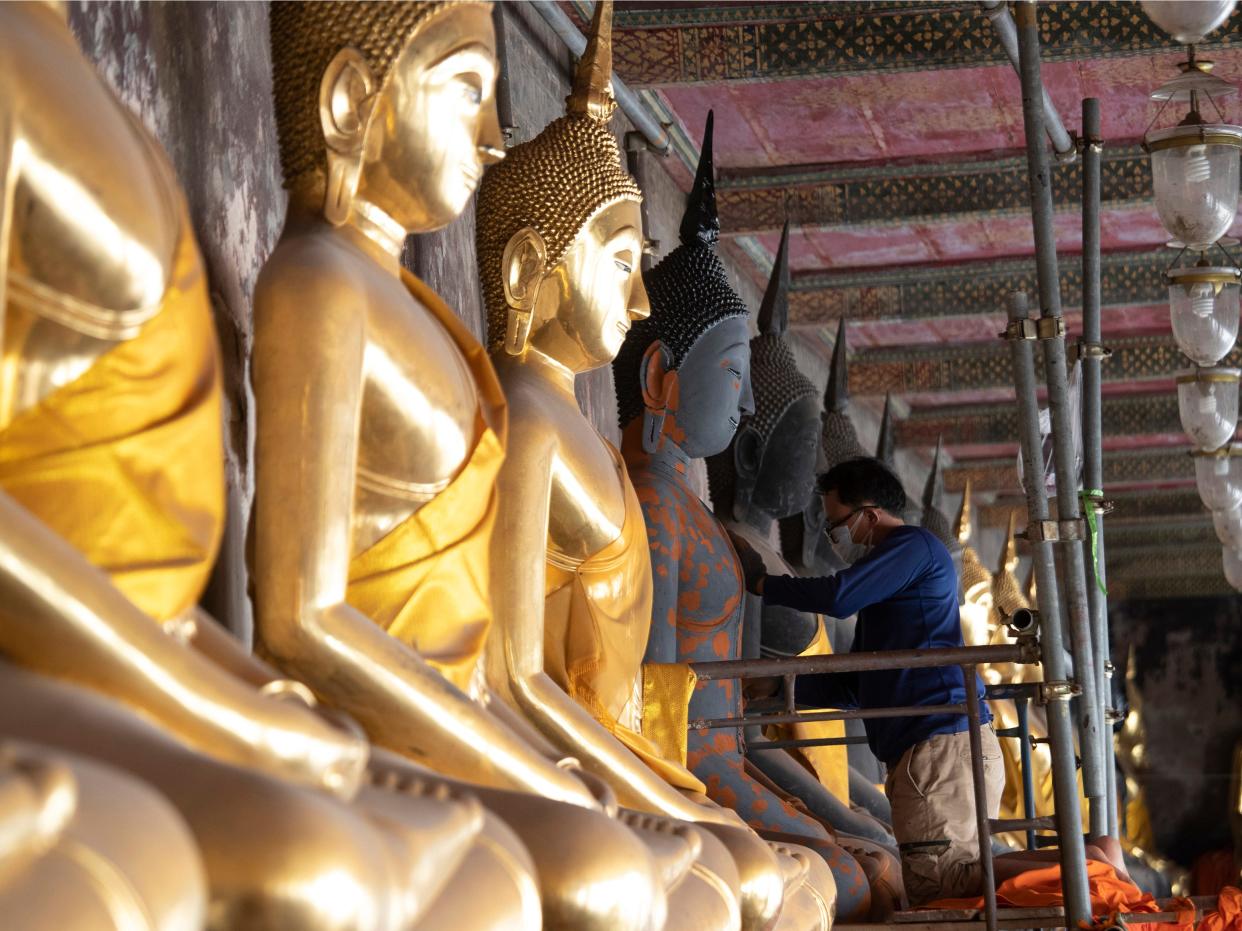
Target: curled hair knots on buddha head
x=689, y=291
x=557, y=182
x=305, y=37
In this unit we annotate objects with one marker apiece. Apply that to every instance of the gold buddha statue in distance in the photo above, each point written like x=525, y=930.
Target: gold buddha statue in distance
x=111, y=507
x=381, y=428
x=559, y=236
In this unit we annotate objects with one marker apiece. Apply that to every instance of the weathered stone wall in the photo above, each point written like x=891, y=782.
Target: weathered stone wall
x=1186, y=658
x=199, y=76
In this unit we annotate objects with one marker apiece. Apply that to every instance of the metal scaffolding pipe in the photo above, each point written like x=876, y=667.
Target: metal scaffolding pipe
x=1056, y=377
x=1060, y=728
x=1092, y=437
x=862, y=662
x=627, y=100
x=998, y=12
x=979, y=784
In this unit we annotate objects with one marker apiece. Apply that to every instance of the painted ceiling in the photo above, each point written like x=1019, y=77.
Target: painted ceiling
x=890, y=135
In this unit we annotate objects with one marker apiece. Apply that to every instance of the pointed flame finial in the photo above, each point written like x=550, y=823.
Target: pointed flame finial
x=962, y=527
x=701, y=223
x=886, y=445
x=933, y=490
x=774, y=311
x=837, y=392
x=1009, y=552
x=592, y=93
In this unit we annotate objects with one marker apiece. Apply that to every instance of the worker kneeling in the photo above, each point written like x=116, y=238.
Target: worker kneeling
x=900, y=581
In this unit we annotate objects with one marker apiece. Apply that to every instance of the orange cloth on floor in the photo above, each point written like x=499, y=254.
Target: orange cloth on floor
x=597, y=618
x=1042, y=887
x=1228, y=914
x=126, y=462
x=426, y=580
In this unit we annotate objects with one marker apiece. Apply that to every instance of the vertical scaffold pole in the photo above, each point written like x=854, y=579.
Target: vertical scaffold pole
x=1057, y=379
x=1091, y=354
x=1052, y=648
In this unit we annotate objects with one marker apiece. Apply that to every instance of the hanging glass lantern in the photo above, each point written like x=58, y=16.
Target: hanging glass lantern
x=1207, y=400
x=1218, y=473
x=1194, y=165
x=1188, y=21
x=1233, y=566
x=1203, y=308
x=1228, y=524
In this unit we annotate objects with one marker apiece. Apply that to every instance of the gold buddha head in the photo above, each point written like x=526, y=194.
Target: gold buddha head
x=559, y=230
x=385, y=107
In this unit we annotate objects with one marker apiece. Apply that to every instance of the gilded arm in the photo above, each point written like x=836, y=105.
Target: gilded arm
x=63, y=617
x=518, y=573
x=308, y=382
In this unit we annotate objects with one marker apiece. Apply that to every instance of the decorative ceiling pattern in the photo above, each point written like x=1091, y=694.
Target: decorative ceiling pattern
x=890, y=135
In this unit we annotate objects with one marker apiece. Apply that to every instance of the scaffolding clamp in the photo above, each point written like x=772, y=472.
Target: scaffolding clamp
x=1057, y=691
x=1041, y=328
x=1114, y=715
x=1088, y=350
x=1056, y=531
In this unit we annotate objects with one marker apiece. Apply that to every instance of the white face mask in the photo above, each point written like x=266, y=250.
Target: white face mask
x=843, y=544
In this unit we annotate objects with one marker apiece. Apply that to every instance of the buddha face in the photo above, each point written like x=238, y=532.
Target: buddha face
x=785, y=478
x=713, y=390
x=422, y=159
x=585, y=305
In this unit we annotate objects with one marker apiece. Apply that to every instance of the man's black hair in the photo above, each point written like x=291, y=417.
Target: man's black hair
x=864, y=481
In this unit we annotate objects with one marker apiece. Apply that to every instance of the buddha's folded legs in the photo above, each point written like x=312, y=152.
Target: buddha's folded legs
x=101, y=873
x=276, y=856
x=499, y=864
x=593, y=872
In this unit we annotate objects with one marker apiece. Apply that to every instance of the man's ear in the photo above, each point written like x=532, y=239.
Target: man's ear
x=655, y=374
x=345, y=99
x=523, y=267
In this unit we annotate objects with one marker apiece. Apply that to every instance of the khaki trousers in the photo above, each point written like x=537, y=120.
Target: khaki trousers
x=933, y=799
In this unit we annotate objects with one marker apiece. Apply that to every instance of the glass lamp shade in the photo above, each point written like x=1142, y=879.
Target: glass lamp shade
x=1228, y=524
x=1219, y=477
x=1203, y=308
x=1233, y=567
x=1188, y=21
x=1194, y=173
x=1207, y=400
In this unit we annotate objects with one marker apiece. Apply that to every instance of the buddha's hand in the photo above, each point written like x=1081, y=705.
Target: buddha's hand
x=314, y=744
x=753, y=568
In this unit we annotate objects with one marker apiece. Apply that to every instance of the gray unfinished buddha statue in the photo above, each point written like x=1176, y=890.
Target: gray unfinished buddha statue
x=683, y=387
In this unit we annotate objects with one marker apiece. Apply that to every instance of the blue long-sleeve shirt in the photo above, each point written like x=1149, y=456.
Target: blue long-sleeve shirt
x=904, y=592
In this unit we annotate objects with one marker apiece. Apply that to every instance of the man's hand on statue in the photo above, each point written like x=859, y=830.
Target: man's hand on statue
x=753, y=569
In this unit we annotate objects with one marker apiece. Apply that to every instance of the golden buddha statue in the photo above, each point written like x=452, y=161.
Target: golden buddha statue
x=381, y=429
x=111, y=509
x=559, y=236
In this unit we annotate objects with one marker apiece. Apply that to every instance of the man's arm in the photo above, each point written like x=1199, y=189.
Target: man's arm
x=876, y=578
x=827, y=690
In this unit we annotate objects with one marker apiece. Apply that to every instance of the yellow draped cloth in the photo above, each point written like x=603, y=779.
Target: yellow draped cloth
x=426, y=580
x=597, y=618
x=829, y=763
x=126, y=462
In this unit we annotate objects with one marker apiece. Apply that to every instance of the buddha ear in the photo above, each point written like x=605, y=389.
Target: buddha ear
x=655, y=377
x=653, y=373
x=346, y=95
x=345, y=99
x=747, y=456
x=523, y=266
